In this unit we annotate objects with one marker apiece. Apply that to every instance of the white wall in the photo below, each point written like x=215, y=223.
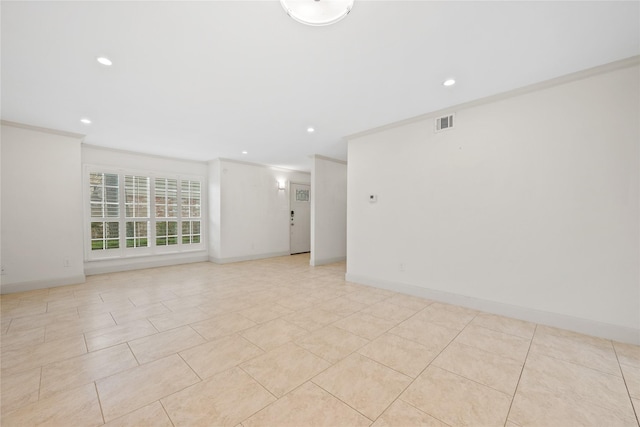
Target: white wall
x=215, y=251
x=41, y=209
x=253, y=217
x=529, y=207
x=328, y=211
x=136, y=162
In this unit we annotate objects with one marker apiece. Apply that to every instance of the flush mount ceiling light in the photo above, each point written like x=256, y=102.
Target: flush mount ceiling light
x=317, y=12
x=104, y=61
x=310, y=130
x=85, y=121
x=449, y=82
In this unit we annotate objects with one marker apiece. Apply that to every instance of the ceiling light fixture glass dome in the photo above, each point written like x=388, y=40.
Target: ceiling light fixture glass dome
x=317, y=12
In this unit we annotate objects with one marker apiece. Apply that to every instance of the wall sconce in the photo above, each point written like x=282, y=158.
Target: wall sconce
x=282, y=185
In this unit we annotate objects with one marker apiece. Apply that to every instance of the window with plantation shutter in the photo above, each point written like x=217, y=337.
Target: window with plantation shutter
x=190, y=196
x=136, y=205
x=134, y=214
x=166, y=208
x=105, y=211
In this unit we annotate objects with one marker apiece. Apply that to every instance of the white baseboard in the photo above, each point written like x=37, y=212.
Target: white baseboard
x=558, y=320
x=323, y=261
x=247, y=257
x=116, y=265
x=41, y=284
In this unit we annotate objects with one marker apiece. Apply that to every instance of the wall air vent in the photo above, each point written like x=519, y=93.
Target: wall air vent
x=444, y=123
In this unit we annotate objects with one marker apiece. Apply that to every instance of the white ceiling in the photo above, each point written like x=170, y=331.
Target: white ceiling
x=201, y=80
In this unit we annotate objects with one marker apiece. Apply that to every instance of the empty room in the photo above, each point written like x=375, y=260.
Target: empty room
x=320, y=213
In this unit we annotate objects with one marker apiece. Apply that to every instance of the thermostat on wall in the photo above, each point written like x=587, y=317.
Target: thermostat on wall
x=373, y=198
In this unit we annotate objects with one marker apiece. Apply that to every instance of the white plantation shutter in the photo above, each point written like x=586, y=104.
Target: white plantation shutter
x=132, y=214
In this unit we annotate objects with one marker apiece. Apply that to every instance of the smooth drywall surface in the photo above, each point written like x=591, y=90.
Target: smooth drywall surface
x=328, y=211
x=530, y=203
x=254, y=213
x=41, y=209
x=214, y=209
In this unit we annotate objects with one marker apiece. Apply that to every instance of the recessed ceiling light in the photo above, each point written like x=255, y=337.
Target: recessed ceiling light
x=317, y=12
x=245, y=152
x=85, y=121
x=449, y=82
x=104, y=60
x=310, y=130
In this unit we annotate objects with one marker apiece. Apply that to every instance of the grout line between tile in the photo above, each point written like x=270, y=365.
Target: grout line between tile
x=95, y=385
x=413, y=406
x=166, y=413
x=524, y=363
x=187, y=363
x=635, y=411
x=256, y=380
x=327, y=391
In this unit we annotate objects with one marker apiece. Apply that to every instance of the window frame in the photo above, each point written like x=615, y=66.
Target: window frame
x=123, y=251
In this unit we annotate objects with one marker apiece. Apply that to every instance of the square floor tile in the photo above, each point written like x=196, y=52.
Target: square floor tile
x=505, y=325
x=541, y=407
x=632, y=378
x=628, y=354
x=308, y=406
x=432, y=336
x=389, y=311
x=363, y=384
x=446, y=315
x=285, y=368
x=401, y=414
x=331, y=343
x=572, y=380
x=365, y=325
x=409, y=301
x=505, y=345
x=481, y=366
x=456, y=400
x=582, y=353
x=341, y=306
x=226, y=399
x=312, y=319
x=401, y=354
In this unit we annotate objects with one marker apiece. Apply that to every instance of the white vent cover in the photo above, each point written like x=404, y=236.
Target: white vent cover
x=444, y=123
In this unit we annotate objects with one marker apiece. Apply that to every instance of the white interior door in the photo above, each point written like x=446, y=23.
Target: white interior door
x=300, y=217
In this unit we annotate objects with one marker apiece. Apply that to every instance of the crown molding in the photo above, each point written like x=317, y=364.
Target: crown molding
x=41, y=129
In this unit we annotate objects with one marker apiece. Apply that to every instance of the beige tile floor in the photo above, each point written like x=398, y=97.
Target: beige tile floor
x=279, y=343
